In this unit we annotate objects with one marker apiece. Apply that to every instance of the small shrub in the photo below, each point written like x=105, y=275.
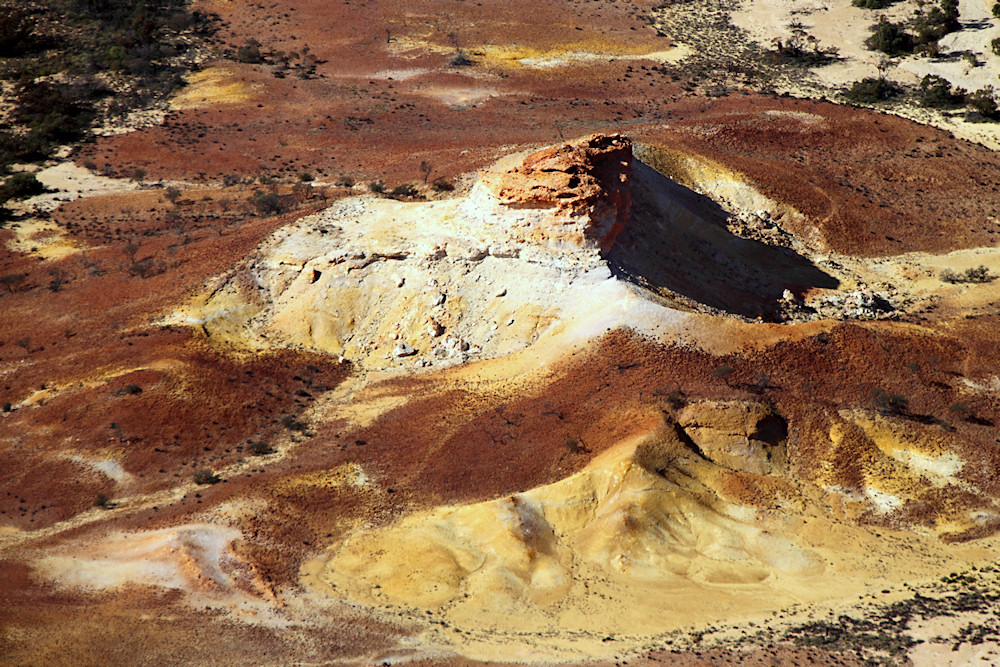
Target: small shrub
x=460, y=59
x=378, y=187
x=102, y=501
x=250, y=53
x=995, y=46
x=979, y=274
x=268, y=203
x=137, y=174
x=873, y=4
x=172, y=194
x=933, y=24
x=59, y=278
x=13, y=281
x=205, y=476
x=889, y=404
x=996, y=10
x=344, y=182
x=404, y=190
x=890, y=38
x=146, y=268
x=962, y=410
x=258, y=448
x=20, y=186
x=305, y=177
x=442, y=185
x=872, y=90
x=936, y=92
x=983, y=102
x=723, y=371
x=293, y=424
x=676, y=399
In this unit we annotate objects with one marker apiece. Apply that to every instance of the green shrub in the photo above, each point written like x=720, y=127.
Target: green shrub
x=938, y=21
x=979, y=274
x=890, y=38
x=995, y=46
x=404, y=190
x=872, y=90
x=293, y=424
x=873, y=4
x=983, y=101
x=378, y=187
x=267, y=203
x=20, y=186
x=442, y=185
x=936, y=92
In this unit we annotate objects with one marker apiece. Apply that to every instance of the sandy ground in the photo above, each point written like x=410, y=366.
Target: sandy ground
x=842, y=25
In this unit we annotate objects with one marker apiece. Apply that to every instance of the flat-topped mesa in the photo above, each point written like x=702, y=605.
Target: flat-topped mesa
x=575, y=195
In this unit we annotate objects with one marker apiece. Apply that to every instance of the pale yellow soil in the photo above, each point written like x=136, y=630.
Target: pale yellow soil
x=213, y=86
x=639, y=543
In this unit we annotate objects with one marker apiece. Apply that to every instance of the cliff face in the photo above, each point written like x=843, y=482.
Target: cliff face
x=582, y=187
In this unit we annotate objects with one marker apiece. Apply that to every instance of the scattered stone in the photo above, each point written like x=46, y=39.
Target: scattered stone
x=403, y=350
x=434, y=327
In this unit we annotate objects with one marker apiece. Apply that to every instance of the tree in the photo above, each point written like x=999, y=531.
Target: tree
x=889, y=38
x=58, y=278
x=20, y=186
x=983, y=101
x=936, y=92
x=426, y=169
x=871, y=90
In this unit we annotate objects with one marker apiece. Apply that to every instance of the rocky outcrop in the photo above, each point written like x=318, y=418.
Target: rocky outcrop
x=740, y=435
x=580, y=190
x=386, y=283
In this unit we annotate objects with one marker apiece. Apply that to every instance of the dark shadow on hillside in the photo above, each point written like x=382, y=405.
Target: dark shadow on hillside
x=676, y=244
